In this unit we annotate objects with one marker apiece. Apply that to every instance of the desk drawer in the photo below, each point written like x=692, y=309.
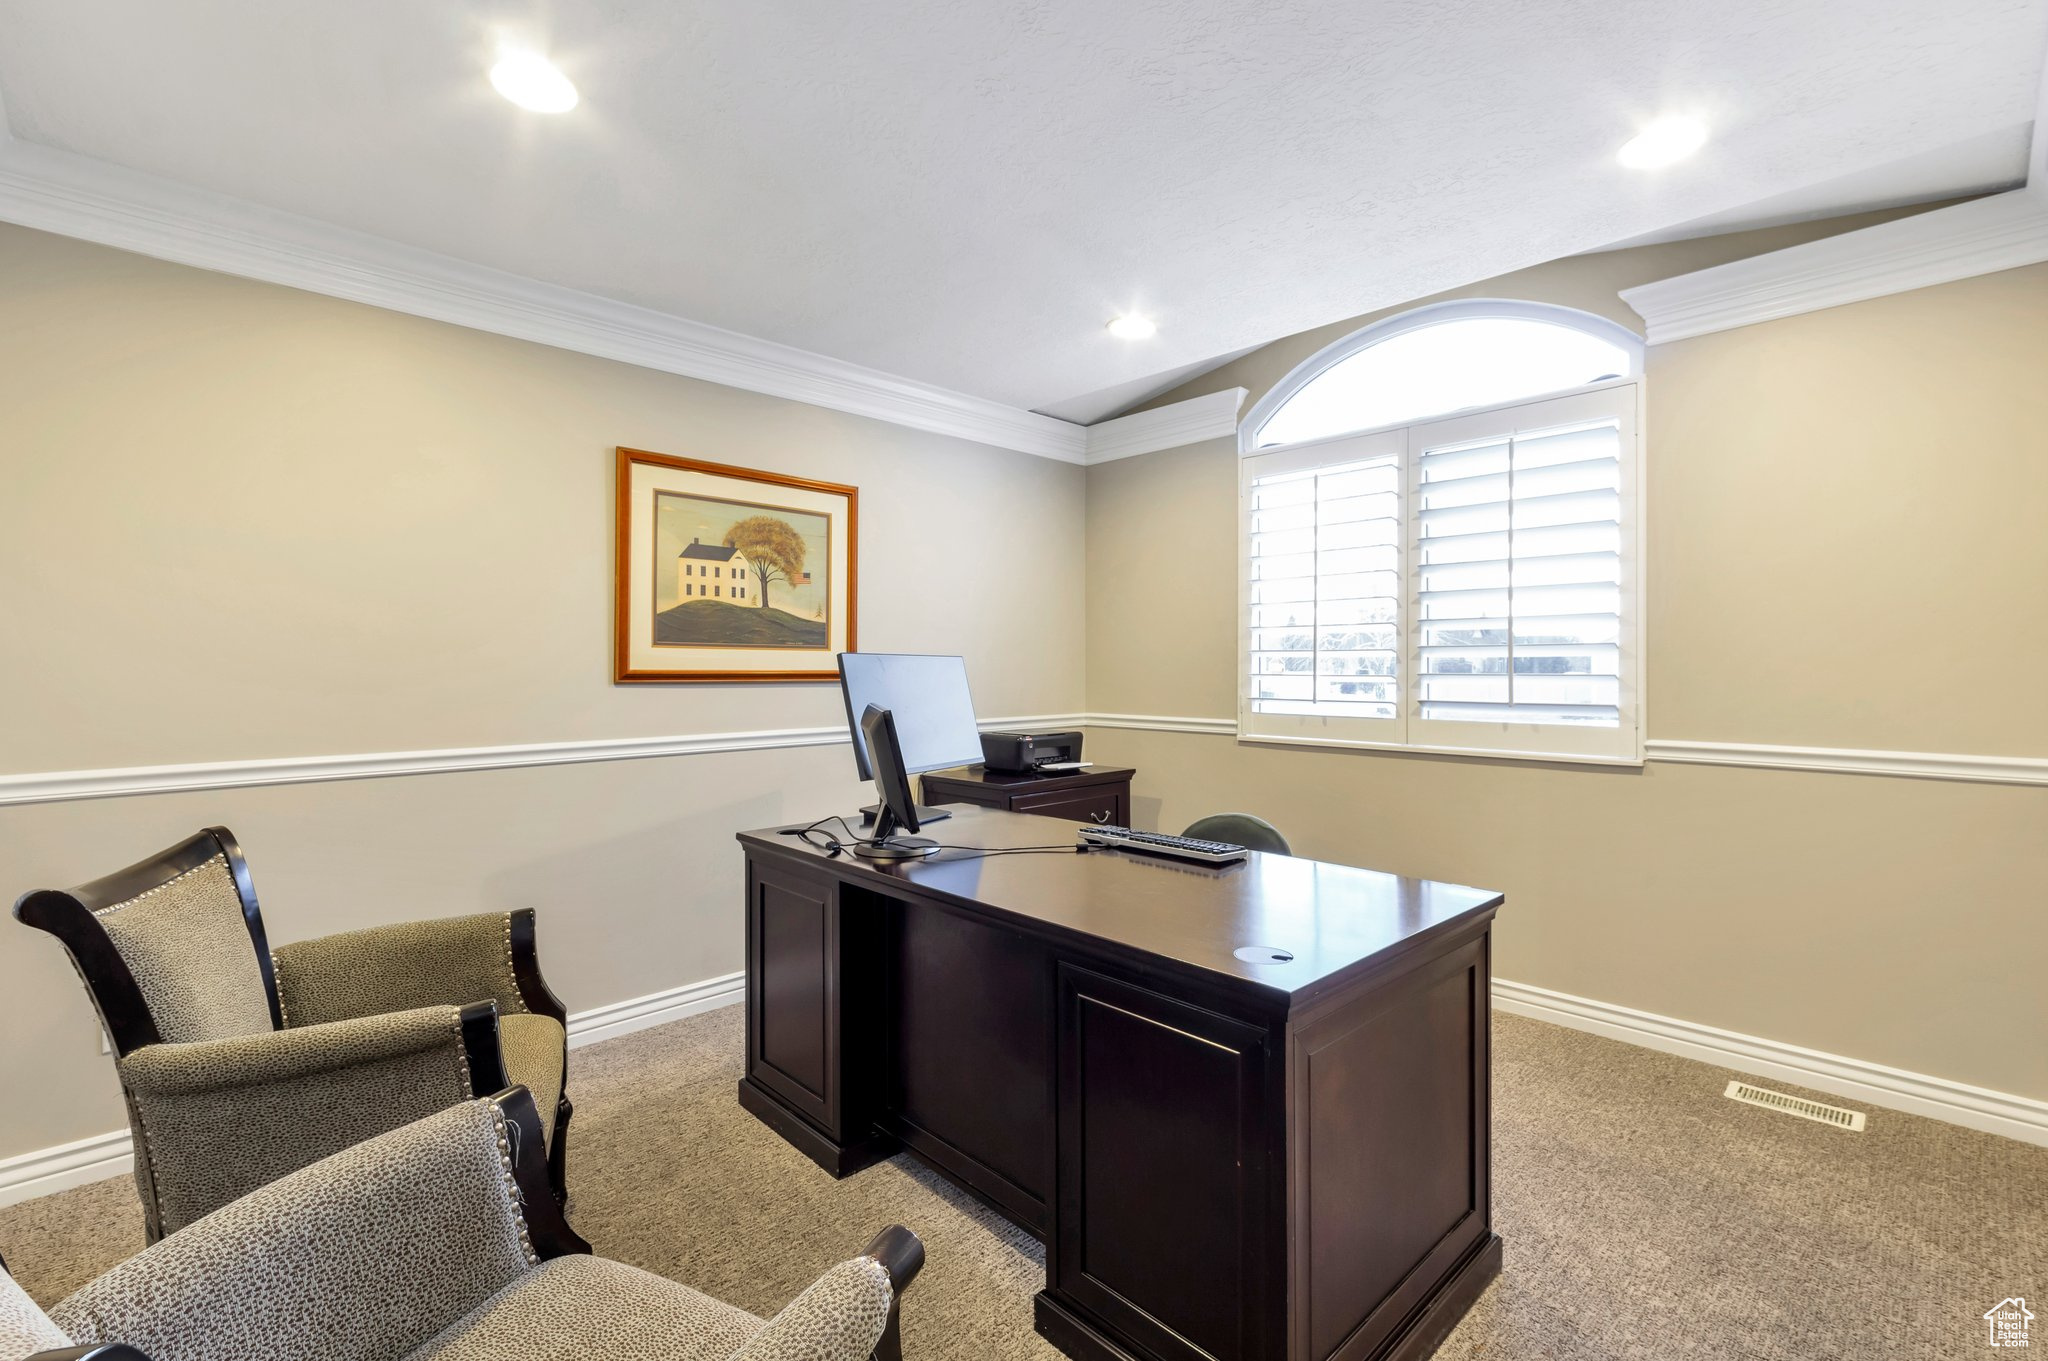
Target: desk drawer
x=1101, y=804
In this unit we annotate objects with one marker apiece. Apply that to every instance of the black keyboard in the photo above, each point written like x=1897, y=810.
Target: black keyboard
x=1159, y=843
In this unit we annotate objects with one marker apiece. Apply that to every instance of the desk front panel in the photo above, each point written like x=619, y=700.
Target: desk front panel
x=1169, y=1233
x=969, y=1007
x=793, y=1018
x=1390, y=1160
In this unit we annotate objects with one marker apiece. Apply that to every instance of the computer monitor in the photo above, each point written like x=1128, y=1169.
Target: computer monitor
x=934, y=714
x=898, y=810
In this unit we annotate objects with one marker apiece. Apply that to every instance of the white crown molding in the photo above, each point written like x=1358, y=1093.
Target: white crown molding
x=92, y=200
x=1209, y=416
x=2037, y=152
x=1958, y=1103
x=2002, y=231
x=45, y=1171
x=1923, y=765
x=63, y=786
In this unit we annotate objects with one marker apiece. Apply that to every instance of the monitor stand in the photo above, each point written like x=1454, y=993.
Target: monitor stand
x=895, y=848
x=887, y=845
x=924, y=814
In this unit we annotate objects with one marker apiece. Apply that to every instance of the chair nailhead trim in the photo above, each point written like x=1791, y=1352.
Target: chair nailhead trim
x=512, y=1196
x=284, y=1012
x=511, y=970
x=462, y=1060
x=111, y=908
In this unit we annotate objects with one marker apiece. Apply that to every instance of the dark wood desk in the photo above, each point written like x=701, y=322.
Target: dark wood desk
x=1100, y=794
x=1284, y=1160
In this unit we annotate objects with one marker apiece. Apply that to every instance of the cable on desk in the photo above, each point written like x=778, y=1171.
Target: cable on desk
x=835, y=846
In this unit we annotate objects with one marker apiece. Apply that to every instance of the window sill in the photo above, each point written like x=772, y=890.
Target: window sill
x=1471, y=753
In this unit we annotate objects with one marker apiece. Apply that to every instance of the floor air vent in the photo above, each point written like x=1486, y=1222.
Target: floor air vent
x=1794, y=1105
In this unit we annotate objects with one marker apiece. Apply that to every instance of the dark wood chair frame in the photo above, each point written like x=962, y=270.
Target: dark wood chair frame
x=895, y=1248
x=67, y=914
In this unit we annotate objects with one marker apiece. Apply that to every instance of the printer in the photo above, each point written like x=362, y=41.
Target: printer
x=1023, y=752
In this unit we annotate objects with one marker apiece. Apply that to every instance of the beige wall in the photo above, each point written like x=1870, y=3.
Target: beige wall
x=241, y=521
x=1845, y=549
x=1857, y=500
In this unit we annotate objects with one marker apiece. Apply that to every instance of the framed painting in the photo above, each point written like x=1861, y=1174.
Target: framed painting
x=727, y=574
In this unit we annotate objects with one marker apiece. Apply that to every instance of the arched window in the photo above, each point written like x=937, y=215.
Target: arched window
x=1441, y=518
x=1435, y=360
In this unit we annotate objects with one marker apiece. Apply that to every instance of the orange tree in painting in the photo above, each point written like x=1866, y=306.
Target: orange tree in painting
x=773, y=549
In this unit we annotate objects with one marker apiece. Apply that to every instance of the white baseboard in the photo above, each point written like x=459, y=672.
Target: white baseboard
x=2015, y=1117
x=657, y=1008
x=48, y=1170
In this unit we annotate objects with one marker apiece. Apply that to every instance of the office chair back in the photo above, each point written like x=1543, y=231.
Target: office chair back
x=1242, y=829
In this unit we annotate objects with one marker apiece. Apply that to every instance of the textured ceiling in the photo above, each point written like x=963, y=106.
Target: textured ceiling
x=962, y=192
x=1979, y=165
x=1090, y=407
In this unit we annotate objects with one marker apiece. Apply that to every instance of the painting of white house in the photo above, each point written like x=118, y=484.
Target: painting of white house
x=739, y=574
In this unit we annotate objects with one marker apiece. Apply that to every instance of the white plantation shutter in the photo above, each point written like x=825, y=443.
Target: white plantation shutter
x=1463, y=584
x=1324, y=587
x=1326, y=591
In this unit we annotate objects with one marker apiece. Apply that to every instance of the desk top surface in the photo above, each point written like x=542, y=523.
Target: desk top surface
x=1022, y=779
x=1334, y=920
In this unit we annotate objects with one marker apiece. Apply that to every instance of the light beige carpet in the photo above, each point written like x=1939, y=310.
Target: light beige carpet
x=1644, y=1214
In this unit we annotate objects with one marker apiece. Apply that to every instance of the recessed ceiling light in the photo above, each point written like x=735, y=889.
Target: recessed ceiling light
x=532, y=82
x=1664, y=141
x=1131, y=326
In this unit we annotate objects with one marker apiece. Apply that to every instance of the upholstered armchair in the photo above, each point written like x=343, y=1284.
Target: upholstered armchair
x=240, y=1064
x=438, y=1241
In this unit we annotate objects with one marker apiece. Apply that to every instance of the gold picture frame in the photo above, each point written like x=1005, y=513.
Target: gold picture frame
x=730, y=574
